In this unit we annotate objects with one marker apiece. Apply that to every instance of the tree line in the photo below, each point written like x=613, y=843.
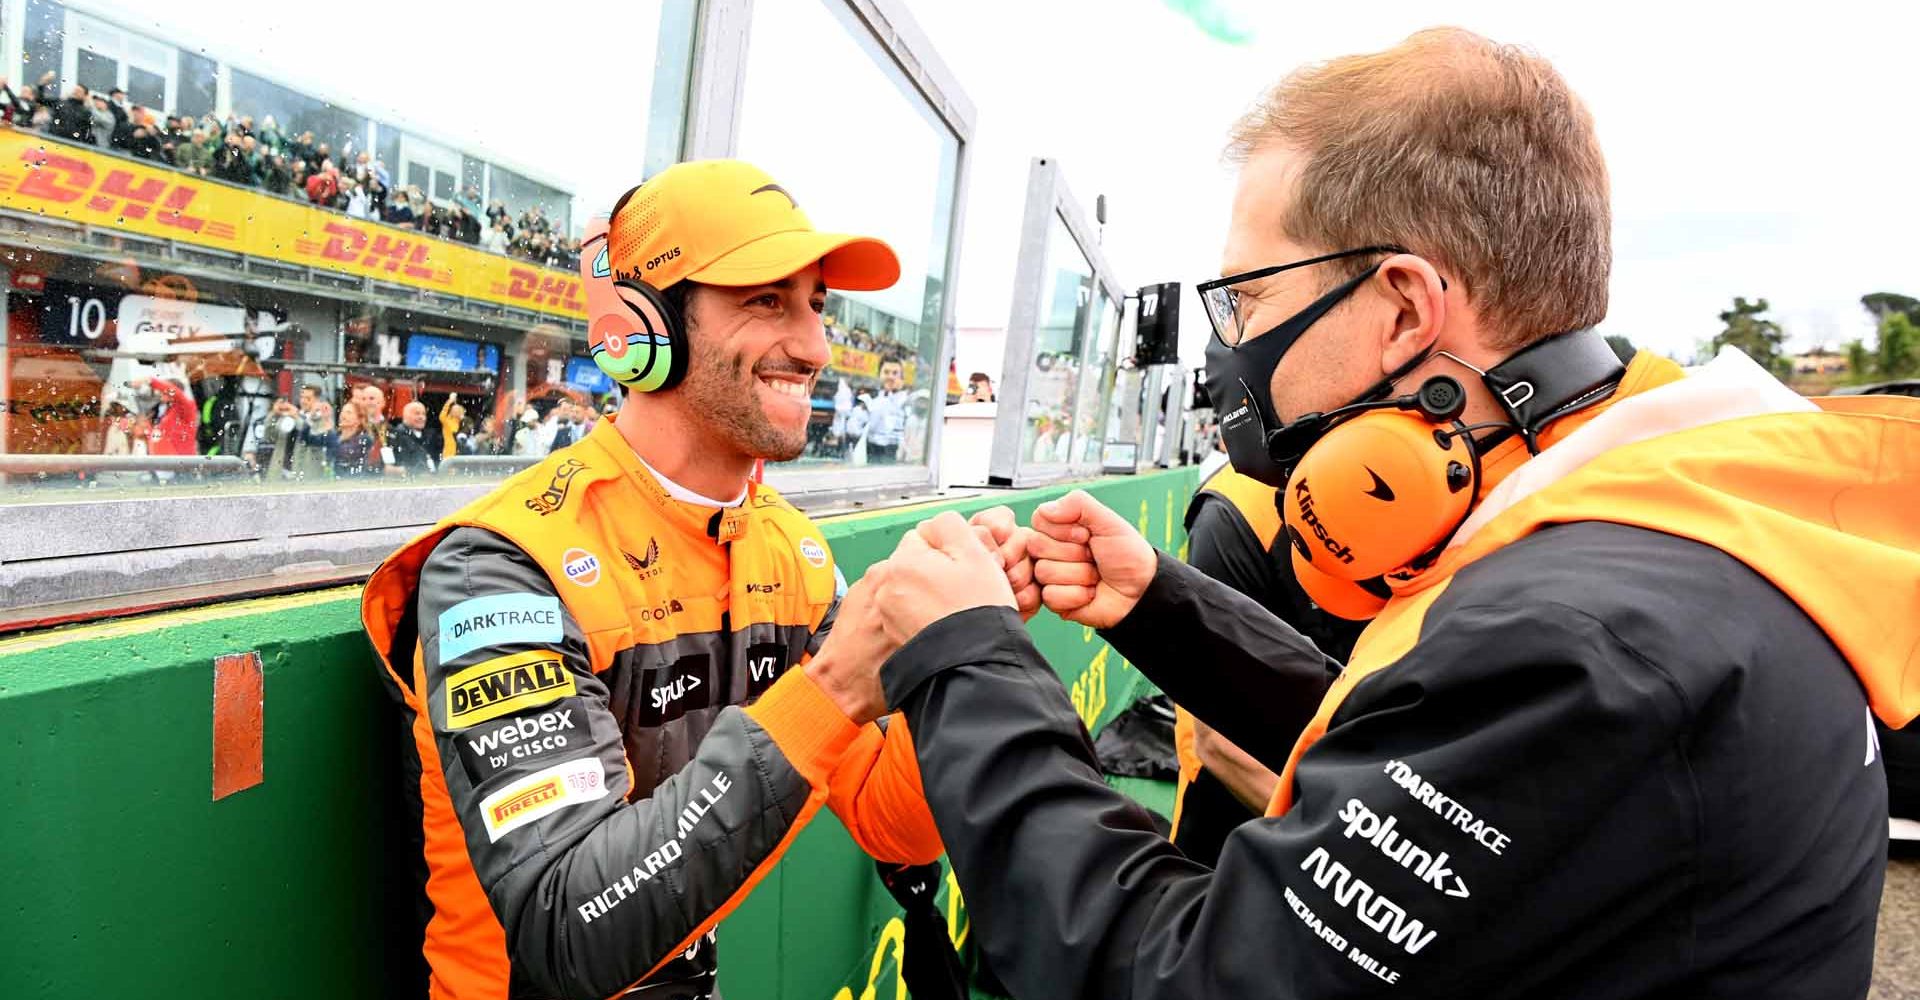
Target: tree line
x=1893, y=354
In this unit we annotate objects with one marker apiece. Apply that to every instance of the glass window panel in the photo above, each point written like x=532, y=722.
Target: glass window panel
x=386, y=145
x=341, y=130
x=1122, y=421
x=419, y=176
x=876, y=402
x=1090, y=423
x=195, y=85
x=146, y=88
x=96, y=72
x=522, y=193
x=44, y=38
x=1059, y=346
x=442, y=186
x=473, y=174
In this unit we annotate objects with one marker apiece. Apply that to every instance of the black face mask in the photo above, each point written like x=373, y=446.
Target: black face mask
x=1239, y=381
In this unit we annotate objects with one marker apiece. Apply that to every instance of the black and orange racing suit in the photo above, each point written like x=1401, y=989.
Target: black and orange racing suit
x=572, y=652
x=1616, y=743
x=1233, y=535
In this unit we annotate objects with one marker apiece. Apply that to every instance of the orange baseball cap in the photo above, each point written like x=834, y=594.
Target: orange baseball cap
x=725, y=222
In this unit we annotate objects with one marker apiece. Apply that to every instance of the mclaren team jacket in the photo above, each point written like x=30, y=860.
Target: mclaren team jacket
x=571, y=652
x=1233, y=535
x=1616, y=743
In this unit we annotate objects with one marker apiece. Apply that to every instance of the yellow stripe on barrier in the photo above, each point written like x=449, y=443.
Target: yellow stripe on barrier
x=141, y=624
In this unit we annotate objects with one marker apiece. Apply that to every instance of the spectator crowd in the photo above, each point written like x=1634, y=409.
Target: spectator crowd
x=280, y=162
x=312, y=439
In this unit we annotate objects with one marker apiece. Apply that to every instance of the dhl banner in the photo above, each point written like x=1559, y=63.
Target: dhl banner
x=854, y=361
x=52, y=178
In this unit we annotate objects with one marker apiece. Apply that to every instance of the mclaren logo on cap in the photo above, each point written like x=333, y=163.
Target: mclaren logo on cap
x=775, y=187
x=601, y=268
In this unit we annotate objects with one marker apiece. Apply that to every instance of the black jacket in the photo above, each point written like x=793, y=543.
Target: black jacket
x=72, y=119
x=1615, y=763
x=1234, y=536
x=411, y=450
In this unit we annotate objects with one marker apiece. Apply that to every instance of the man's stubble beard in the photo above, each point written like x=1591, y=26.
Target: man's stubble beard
x=721, y=394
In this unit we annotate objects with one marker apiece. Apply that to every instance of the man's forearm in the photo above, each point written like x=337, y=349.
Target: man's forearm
x=1249, y=780
x=1224, y=658
x=1011, y=777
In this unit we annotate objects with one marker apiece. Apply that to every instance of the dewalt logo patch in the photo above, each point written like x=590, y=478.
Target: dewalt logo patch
x=506, y=684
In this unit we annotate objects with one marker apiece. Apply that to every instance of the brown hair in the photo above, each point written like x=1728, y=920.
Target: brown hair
x=1472, y=154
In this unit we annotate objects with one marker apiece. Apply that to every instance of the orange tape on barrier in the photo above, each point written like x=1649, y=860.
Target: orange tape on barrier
x=239, y=710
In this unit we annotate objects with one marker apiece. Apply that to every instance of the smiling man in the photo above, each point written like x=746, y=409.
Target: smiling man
x=573, y=651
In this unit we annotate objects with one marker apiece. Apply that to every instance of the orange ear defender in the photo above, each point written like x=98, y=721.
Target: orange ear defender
x=1378, y=492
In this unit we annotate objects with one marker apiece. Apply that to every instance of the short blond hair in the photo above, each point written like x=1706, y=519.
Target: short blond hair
x=1472, y=154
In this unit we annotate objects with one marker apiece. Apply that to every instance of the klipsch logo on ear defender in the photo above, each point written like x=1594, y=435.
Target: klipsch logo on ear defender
x=1303, y=499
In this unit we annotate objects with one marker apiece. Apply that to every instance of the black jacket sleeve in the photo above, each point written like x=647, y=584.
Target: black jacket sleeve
x=1507, y=797
x=1221, y=544
x=1226, y=659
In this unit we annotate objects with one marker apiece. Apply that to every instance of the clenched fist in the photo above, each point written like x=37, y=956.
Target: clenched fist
x=1000, y=531
x=1092, y=566
x=939, y=568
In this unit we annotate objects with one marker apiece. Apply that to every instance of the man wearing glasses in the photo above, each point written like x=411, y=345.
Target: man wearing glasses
x=1610, y=731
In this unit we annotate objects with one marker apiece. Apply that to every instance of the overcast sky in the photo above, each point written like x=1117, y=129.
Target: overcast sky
x=1754, y=151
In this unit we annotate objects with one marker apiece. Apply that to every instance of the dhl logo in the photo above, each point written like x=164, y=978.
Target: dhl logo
x=65, y=180
x=51, y=178
x=544, y=792
x=542, y=289
x=356, y=246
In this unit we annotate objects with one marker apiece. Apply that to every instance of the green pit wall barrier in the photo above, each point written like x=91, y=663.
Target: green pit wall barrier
x=126, y=878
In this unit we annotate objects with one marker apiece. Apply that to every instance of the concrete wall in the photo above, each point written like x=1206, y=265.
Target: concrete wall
x=127, y=878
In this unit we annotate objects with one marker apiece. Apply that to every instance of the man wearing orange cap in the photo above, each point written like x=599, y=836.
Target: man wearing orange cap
x=608, y=744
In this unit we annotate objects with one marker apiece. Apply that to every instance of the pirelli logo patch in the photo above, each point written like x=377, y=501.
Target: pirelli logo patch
x=542, y=793
x=506, y=684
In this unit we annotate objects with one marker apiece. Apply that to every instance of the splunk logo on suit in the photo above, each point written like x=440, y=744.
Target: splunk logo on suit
x=672, y=691
x=1381, y=832
x=506, y=684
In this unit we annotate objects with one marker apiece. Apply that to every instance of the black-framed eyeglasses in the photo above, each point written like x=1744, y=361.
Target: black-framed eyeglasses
x=1222, y=301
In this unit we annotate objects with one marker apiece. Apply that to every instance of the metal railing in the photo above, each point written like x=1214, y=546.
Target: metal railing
x=33, y=465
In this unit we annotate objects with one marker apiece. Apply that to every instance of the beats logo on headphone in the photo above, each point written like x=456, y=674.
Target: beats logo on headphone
x=635, y=335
